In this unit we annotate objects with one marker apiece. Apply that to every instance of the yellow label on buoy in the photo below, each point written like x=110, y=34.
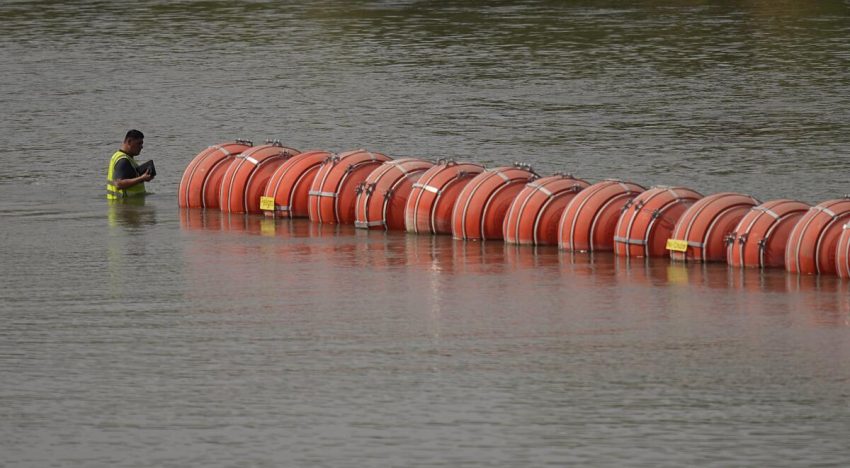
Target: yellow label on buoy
x=267, y=203
x=677, y=245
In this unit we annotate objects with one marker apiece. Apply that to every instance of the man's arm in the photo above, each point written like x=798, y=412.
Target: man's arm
x=125, y=176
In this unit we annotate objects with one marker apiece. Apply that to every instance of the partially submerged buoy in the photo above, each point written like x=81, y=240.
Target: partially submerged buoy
x=287, y=192
x=480, y=209
x=842, y=253
x=648, y=221
x=760, y=238
x=332, y=196
x=813, y=242
x=382, y=197
x=372, y=191
x=590, y=218
x=701, y=232
x=535, y=213
x=247, y=175
x=432, y=197
x=201, y=180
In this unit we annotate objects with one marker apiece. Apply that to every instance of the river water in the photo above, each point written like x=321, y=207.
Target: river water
x=147, y=336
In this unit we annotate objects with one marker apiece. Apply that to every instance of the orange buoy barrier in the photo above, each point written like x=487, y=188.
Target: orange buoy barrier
x=432, y=198
x=246, y=178
x=813, y=242
x=287, y=192
x=332, y=195
x=481, y=206
x=760, y=238
x=590, y=218
x=842, y=253
x=701, y=232
x=201, y=180
x=648, y=220
x=535, y=213
x=381, y=198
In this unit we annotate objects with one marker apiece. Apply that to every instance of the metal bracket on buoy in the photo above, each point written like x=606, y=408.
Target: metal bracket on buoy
x=656, y=213
x=244, y=141
x=274, y=142
x=365, y=187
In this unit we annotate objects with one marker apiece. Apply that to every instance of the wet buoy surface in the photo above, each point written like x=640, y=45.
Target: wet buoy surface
x=648, y=220
x=813, y=242
x=535, y=213
x=289, y=185
x=842, y=253
x=247, y=175
x=590, y=218
x=382, y=197
x=702, y=230
x=332, y=197
x=201, y=181
x=760, y=238
x=480, y=209
x=432, y=197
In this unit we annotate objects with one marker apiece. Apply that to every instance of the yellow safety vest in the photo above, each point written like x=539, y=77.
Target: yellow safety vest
x=113, y=192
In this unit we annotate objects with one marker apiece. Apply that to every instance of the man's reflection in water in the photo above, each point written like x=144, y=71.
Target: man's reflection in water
x=130, y=212
x=127, y=248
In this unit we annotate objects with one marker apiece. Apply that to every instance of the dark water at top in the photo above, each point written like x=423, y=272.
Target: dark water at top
x=144, y=336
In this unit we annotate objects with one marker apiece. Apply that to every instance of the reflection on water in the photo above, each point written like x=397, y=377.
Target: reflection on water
x=294, y=241
x=130, y=213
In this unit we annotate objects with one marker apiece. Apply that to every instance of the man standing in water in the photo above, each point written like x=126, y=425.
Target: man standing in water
x=123, y=178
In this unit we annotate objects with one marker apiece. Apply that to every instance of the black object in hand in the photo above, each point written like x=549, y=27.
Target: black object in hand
x=144, y=167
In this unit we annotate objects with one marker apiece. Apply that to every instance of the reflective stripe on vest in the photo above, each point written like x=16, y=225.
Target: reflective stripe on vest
x=113, y=192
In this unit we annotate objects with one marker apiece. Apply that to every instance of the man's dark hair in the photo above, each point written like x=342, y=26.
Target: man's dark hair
x=134, y=135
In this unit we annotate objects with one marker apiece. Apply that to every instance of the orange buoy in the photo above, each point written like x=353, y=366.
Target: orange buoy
x=332, y=195
x=701, y=232
x=760, y=238
x=246, y=178
x=590, y=218
x=535, y=213
x=201, y=180
x=648, y=220
x=482, y=205
x=381, y=198
x=842, y=253
x=813, y=242
x=432, y=198
x=289, y=185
